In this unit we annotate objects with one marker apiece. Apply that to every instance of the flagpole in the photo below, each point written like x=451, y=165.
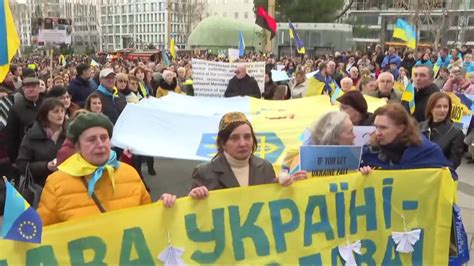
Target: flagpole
x=291, y=48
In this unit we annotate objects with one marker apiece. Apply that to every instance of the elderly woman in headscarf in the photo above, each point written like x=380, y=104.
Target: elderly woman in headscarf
x=167, y=84
x=234, y=164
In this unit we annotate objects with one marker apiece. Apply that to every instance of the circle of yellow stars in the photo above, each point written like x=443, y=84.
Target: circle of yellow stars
x=27, y=223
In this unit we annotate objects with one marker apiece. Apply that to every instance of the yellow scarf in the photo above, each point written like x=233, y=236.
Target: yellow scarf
x=78, y=166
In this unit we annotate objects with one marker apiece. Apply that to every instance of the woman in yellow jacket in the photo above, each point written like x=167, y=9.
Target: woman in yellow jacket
x=92, y=180
x=167, y=84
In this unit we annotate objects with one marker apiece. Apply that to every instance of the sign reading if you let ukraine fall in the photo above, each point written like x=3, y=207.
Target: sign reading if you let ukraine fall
x=269, y=224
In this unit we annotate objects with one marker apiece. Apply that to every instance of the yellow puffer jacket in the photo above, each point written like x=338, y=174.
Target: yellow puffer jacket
x=65, y=197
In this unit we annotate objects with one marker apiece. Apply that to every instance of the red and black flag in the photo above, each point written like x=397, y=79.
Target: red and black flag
x=266, y=21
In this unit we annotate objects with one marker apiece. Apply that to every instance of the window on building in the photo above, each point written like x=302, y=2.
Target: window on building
x=130, y=8
x=246, y=14
x=236, y=15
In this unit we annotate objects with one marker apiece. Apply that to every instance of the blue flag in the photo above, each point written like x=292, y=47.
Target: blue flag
x=241, y=45
x=409, y=96
x=20, y=221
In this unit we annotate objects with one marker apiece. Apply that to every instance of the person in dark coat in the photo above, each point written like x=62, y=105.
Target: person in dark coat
x=40, y=145
x=80, y=87
x=408, y=62
x=440, y=129
x=398, y=144
x=22, y=116
x=423, y=82
x=242, y=85
x=270, y=86
x=234, y=164
x=355, y=105
x=113, y=102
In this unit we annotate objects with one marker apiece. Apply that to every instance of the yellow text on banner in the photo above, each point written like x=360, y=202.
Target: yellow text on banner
x=300, y=224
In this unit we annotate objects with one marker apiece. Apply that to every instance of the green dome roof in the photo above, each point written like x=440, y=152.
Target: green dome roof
x=221, y=32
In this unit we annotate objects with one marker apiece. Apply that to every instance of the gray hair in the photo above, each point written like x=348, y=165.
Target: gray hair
x=328, y=128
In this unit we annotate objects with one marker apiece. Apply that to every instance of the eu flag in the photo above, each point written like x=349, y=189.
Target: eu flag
x=20, y=221
x=9, y=40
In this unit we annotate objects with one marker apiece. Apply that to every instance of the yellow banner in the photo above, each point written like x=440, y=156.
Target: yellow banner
x=270, y=224
x=282, y=126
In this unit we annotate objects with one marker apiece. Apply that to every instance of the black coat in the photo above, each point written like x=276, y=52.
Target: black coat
x=246, y=86
x=37, y=150
x=112, y=107
x=79, y=89
x=20, y=118
x=421, y=99
x=449, y=137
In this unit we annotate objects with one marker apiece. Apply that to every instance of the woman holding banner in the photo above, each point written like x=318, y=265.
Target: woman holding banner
x=234, y=164
x=440, y=129
x=398, y=144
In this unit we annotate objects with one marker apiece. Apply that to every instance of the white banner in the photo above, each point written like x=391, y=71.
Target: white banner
x=54, y=36
x=211, y=78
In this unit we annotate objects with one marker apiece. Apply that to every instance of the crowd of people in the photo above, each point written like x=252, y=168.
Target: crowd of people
x=59, y=121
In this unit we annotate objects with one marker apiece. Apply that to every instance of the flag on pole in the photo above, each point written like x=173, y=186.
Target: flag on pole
x=406, y=32
x=9, y=40
x=266, y=21
x=241, y=45
x=20, y=221
x=298, y=42
x=338, y=92
x=409, y=96
x=172, y=47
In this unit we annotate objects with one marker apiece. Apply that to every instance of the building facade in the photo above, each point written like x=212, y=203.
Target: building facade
x=236, y=9
x=145, y=24
x=373, y=21
x=83, y=14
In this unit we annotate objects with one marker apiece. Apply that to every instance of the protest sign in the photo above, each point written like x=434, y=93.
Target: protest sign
x=211, y=78
x=303, y=224
x=327, y=160
x=362, y=134
x=233, y=54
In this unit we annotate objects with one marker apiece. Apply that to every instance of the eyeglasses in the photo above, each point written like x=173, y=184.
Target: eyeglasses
x=122, y=81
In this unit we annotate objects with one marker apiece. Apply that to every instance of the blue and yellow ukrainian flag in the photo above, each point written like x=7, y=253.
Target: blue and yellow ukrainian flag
x=405, y=32
x=20, y=221
x=409, y=96
x=9, y=40
x=338, y=92
x=172, y=47
x=298, y=42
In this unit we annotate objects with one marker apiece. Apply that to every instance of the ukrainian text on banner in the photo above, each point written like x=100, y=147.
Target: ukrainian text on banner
x=211, y=78
x=301, y=224
x=184, y=127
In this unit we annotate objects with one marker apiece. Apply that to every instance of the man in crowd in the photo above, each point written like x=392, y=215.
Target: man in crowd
x=17, y=73
x=22, y=115
x=242, y=84
x=113, y=102
x=385, y=89
x=80, y=87
x=325, y=75
x=391, y=57
x=444, y=58
x=423, y=77
x=347, y=84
